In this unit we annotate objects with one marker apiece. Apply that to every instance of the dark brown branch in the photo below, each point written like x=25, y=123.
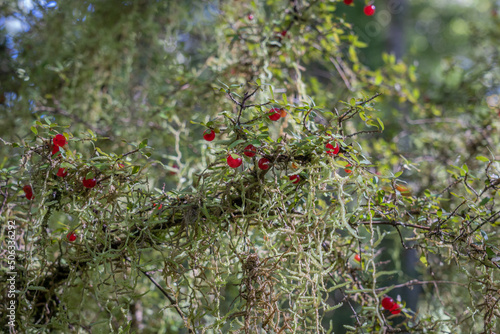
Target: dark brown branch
x=232, y=99
x=165, y=293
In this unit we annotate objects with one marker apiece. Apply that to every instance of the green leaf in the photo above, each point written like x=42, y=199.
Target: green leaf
x=236, y=143
x=256, y=143
x=490, y=252
x=440, y=213
x=34, y=130
x=143, y=144
x=423, y=259
x=223, y=84
x=398, y=174
x=136, y=169
x=484, y=201
x=381, y=123
x=481, y=158
x=100, y=151
x=458, y=196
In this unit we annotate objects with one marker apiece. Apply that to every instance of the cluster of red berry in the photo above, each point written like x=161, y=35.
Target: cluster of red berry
x=389, y=304
x=59, y=140
x=369, y=10
x=28, y=191
x=276, y=113
x=331, y=150
x=235, y=160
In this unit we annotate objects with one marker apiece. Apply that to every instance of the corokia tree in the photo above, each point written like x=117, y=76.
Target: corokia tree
x=226, y=168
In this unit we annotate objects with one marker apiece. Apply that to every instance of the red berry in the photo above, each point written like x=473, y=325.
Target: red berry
x=27, y=189
x=250, y=151
x=264, y=164
x=55, y=149
x=283, y=113
x=59, y=140
x=120, y=166
x=274, y=114
x=369, y=10
x=348, y=2
x=234, y=163
x=250, y=17
x=396, y=309
x=388, y=303
x=283, y=33
x=30, y=196
x=71, y=236
x=89, y=183
x=294, y=178
x=62, y=172
x=347, y=170
x=357, y=257
x=209, y=135
x=333, y=150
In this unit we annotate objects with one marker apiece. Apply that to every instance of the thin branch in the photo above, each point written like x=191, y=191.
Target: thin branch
x=417, y=282
x=395, y=224
x=451, y=185
x=4, y=202
x=347, y=115
x=401, y=237
x=305, y=117
x=165, y=293
x=451, y=214
x=129, y=153
x=362, y=103
x=360, y=132
x=470, y=188
x=257, y=104
x=232, y=99
x=342, y=74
